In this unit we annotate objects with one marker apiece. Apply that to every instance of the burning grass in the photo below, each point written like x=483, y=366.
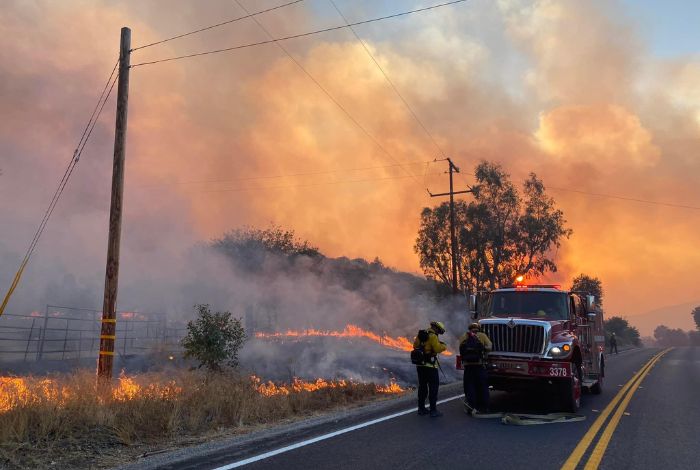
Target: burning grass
x=68, y=420
x=399, y=343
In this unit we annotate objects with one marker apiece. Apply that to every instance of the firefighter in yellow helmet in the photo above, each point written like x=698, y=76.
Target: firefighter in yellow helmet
x=474, y=347
x=430, y=346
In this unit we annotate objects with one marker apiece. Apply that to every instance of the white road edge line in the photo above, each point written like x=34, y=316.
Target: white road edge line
x=323, y=437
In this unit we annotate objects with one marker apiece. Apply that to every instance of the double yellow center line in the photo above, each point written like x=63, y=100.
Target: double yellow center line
x=622, y=398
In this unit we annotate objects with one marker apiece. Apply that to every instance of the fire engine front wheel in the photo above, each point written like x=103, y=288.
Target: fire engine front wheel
x=597, y=387
x=571, y=391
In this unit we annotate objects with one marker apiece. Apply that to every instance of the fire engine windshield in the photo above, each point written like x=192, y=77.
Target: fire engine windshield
x=542, y=305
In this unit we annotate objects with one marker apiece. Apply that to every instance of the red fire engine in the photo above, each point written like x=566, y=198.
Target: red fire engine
x=543, y=335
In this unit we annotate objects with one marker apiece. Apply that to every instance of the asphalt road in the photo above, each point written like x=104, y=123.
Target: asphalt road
x=654, y=426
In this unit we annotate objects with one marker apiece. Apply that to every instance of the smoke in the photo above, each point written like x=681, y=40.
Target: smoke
x=567, y=89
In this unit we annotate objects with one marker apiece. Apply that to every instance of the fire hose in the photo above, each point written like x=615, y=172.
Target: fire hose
x=525, y=419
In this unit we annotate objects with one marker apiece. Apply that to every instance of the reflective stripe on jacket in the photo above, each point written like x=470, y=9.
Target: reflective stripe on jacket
x=432, y=347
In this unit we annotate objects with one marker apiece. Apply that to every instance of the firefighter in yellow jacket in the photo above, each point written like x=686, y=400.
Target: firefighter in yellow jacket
x=428, y=379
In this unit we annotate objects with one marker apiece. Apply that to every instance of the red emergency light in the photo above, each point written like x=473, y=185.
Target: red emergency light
x=536, y=286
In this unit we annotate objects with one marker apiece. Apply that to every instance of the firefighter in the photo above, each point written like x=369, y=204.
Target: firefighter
x=474, y=347
x=428, y=378
x=613, y=343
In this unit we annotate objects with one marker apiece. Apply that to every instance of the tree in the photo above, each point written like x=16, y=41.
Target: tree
x=666, y=336
x=625, y=333
x=213, y=339
x=694, y=338
x=500, y=234
x=249, y=247
x=433, y=242
x=696, y=317
x=589, y=285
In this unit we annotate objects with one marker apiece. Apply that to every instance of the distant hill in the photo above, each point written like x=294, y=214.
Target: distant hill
x=673, y=316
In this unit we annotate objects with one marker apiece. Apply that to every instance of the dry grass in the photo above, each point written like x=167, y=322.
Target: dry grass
x=67, y=420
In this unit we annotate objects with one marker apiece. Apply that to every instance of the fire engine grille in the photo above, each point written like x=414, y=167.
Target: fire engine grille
x=527, y=339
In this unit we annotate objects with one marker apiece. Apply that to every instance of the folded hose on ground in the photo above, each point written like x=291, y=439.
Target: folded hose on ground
x=525, y=419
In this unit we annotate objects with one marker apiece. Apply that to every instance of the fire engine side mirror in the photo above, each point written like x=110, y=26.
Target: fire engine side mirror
x=472, y=305
x=590, y=303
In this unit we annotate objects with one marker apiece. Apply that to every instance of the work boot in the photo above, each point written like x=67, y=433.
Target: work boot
x=422, y=411
x=435, y=414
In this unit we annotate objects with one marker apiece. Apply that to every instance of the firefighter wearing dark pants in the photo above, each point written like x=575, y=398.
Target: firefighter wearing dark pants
x=428, y=378
x=474, y=347
x=613, y=343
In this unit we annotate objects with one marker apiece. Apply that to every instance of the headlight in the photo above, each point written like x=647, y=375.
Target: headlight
x=560, y=351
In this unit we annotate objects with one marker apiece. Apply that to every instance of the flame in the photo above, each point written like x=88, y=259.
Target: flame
x=127, y=389
x=271, y=389
x=131, y=316
x=393, y=387
x=400, y=343
x=16, y=392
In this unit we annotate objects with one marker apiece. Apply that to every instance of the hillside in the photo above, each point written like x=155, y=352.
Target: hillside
x=673, y=316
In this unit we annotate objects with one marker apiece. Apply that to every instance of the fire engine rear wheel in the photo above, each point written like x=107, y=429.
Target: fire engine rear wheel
x=571, y=391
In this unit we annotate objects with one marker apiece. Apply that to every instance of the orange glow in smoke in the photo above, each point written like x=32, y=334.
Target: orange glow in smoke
x=399, y=343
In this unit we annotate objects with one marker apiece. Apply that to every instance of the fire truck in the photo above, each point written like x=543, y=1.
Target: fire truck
x=542, y=336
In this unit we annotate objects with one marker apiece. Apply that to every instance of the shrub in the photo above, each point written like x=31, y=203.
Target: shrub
x=213, y=339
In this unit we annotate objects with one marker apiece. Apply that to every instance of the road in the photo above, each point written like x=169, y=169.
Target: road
x=653, y=425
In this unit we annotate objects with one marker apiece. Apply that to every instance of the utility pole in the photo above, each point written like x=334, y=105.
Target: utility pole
x=453, y=238
x=109, y=315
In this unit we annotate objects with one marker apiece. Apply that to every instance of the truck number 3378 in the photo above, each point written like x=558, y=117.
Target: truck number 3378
x=558, y=372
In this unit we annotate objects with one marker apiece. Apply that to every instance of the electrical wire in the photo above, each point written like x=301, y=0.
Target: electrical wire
x=87, y=132
x=206, y=28
x=301, y=35
x=622, y=198
x=290, y=175
x=310, y=185
x=393, y=87
x=626, y=198
x=328, y=94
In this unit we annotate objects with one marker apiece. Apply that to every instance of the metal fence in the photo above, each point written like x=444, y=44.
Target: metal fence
x=73, y=333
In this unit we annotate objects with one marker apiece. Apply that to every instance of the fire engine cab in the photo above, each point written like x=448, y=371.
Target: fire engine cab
x=542, y=335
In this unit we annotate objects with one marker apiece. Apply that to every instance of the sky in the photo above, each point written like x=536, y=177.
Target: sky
x=594, y=96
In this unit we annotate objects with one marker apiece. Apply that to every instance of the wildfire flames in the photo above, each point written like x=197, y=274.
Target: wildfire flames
x=270, y=389
x=399, y=343
x=17, y=392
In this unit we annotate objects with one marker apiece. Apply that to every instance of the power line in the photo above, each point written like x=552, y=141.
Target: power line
x=325, y=183
x=626, y=198
x=290, y=175
x=301, y=35
x=326, y=92
x=381, y=69
x=87, y=132
x=206, y=28
x=622, y=198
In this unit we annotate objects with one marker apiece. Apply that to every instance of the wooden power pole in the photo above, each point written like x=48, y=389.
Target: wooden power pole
x=109, y=314
x=453, y=237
